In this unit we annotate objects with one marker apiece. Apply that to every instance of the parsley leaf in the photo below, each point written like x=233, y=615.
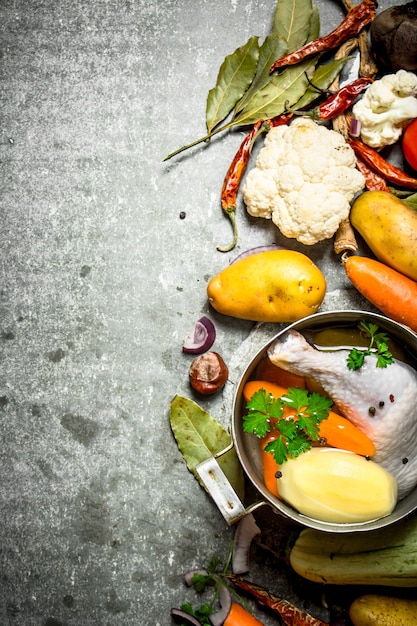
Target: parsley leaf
x=295, y=431
x=201, y=613
x=378, y=345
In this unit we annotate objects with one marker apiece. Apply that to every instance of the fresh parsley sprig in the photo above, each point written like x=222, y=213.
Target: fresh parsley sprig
x=294, y=432
x=378, y=345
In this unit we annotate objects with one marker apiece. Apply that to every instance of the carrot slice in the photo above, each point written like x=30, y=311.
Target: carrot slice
x=269, y=465
x=338, y=431
x=390, y=291
x=239, y=616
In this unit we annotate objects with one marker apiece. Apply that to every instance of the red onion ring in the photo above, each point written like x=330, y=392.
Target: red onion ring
x=246, y=530
x=183, y=617
x=201, y=337
x=257, y=250
x=188, y=576
x=355, y=128
x=225, y=600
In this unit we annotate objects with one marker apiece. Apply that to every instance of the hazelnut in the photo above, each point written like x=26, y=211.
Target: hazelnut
x=208, y=373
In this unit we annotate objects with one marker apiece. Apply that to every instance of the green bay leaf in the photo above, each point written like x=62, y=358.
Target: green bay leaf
x=292, y=21
x=235, y=75
x=411, y=201
x=272, y=48
x=199, y=437
x=322, y=78
x=280, y=93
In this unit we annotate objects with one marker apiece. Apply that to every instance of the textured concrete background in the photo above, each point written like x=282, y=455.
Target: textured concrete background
x=100, y=282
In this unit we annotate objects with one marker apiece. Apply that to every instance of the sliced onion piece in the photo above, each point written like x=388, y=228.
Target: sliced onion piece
x=257, y=250
x=246, y=530
x=183, y=617
x=225, y=600
x=188, y=576
x=355, y=128
x=201, y=337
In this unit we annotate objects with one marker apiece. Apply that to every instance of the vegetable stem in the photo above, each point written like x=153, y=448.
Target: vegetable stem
x=204, y=139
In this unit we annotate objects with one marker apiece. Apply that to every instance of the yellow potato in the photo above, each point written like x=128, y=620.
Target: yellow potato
x=270, y=286
x=389, y=227
x=337, y=486
x=378, y=610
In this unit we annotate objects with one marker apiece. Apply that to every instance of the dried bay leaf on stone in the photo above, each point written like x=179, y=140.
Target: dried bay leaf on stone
x=293, y=21
x=272, y=48
x=235, y=75
x=322, y=78
x=289, y=32
x=280, y=93
x=199, y=437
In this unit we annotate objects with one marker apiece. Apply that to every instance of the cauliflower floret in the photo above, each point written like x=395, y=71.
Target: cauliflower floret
x=386, y=107
x=304, y=179
x=298, y=214
x=264, y=189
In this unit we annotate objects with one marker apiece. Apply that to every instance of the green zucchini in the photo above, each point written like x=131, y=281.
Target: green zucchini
x=387, y=556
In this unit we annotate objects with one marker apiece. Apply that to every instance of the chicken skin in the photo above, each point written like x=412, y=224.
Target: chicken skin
x=382, y=402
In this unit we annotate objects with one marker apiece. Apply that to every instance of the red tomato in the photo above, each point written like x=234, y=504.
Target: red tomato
x=410, y=144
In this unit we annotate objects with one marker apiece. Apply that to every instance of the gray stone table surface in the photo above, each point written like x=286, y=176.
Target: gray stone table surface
x=101, y=280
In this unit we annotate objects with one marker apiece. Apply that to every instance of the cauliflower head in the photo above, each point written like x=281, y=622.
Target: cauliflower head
x=304, y=180
x=386, y=107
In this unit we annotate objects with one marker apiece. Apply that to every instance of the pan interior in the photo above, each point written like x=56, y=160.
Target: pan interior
x=247, y=446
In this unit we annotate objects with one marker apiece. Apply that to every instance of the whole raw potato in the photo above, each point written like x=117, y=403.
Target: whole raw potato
x=270, y=286
x=389, y=227
x=379, y=610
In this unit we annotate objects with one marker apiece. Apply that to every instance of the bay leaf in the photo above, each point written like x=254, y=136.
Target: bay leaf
x=292, y=21
x=322, y=78
x=281, y=92
x=272, y=48
x=235, y=75
x=314, y=24
x=411, y=201
x=199, y=436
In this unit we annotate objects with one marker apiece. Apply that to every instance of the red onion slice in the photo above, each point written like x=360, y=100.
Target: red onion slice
x=225, y=600
x=188, y=576
x=201, y=337
x=257, y=250
x=246, y=530
x=355, y=128
x=183, y=617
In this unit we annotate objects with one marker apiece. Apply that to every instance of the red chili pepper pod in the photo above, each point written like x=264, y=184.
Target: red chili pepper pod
x=378, y=164
x=341, y=100
x=233, y=178
x=356, y=19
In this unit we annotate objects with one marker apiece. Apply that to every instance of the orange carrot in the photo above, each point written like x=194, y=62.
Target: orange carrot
x=266, y=370
x=238, y=616
x=393, y=293
x=338, y=431
x=269, y=465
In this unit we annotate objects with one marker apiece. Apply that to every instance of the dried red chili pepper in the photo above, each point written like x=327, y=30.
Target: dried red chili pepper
x=289, y=614
x=232, y=181
x=373, y=180
x=356, y=19
x=378, y=164
x=280, y=120
x=339, y=101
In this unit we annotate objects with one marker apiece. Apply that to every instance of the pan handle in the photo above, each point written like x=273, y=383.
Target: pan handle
x=222, y=492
